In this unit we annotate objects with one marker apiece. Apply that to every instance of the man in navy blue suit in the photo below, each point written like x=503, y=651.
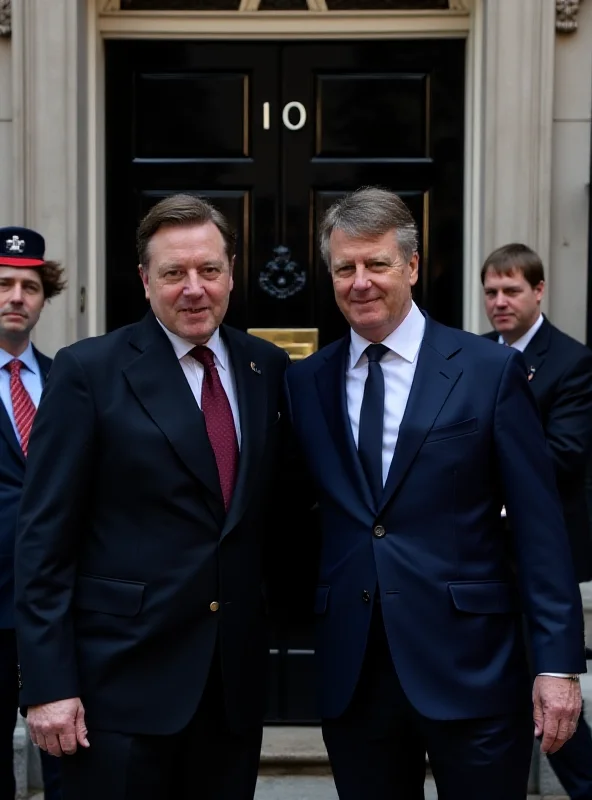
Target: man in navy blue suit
x=415, y=436
x=559, y=369
x=27, y=280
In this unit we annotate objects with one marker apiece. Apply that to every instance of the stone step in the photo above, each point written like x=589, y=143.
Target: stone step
x=294, y=749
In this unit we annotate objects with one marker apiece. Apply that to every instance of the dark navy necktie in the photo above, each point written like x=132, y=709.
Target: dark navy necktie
x=371, y=421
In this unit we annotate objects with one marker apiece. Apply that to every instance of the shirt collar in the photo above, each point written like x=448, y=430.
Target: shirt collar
x=405, y=340
x=522, y=343
x=182, y=347
x=27, y=358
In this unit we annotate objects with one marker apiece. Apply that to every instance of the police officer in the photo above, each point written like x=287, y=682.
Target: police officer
x=27, y=281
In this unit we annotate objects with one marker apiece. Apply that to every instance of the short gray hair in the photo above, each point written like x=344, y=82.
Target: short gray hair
x=370, y=212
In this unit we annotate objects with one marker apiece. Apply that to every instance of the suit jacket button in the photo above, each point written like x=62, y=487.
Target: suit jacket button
x=379, y=531
x=214, y=606
x=366, y=596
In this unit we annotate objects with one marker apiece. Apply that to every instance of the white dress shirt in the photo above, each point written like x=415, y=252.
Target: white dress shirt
x=523, y=342
x=30, y=375
x=194, y=370
x=398, y=367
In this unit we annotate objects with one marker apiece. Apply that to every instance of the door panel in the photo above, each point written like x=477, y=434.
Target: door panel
x=171, y=109
x=272, y=134
x=371, y=116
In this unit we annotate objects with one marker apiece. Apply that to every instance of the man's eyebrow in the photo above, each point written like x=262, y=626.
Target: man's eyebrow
x=346, y=262
x=169, y=265
x=24, y=281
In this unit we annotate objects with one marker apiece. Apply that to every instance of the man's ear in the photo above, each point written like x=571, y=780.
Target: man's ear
x=144, y=278
x=414, y=269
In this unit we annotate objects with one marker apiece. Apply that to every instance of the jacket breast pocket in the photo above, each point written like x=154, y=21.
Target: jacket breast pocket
x=109, y=595
x=453, y=431
x=483, y=597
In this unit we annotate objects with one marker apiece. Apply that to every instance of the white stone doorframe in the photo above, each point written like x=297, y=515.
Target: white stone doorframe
x=58, y=71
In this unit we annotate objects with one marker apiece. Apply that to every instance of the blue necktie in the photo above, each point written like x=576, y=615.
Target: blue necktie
x=371, y=421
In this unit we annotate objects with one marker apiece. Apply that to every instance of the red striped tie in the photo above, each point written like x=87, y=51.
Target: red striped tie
x=23, y=408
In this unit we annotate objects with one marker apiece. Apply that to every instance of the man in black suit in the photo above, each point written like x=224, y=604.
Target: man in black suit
x=560, y=375
x=27, y=281
x=139, y=556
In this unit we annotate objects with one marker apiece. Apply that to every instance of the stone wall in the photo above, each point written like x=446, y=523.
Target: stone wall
x=570, y=191
x=6, y=173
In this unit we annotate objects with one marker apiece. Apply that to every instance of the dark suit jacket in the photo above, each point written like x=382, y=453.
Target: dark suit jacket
x=123, y=541
x=12, y=474
x=470, y=440
x=561, y=380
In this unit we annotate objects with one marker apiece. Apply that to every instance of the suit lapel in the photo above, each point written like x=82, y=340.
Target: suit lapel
x=157, y=380
x=536, y=350
x=330, y=380
x=44, y=364
x=251, y=389
x=434, y=379
x=7, y=431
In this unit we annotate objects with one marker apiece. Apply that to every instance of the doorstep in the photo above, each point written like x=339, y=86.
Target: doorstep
x=293, y=749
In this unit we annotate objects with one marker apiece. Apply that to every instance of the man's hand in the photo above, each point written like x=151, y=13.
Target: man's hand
x=557, y=706
x=58, y=727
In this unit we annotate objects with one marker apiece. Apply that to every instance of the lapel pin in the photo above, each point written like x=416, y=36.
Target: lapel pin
x=531, y=372
x=255, y=368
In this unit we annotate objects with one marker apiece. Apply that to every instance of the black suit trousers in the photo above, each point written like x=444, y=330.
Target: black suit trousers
x=377, y=747
x=206, y=760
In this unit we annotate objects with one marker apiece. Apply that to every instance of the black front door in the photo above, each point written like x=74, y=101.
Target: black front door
x=272, y=133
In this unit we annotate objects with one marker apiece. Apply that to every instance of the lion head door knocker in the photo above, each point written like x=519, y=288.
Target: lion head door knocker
x=281, y=277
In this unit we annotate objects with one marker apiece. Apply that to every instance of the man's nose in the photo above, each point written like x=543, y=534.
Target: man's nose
x=193, y=284
x=500, y=299
x=16, y=296
x=361, y=280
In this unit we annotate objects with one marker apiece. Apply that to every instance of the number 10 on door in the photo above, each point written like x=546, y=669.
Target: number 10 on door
x=290, y=123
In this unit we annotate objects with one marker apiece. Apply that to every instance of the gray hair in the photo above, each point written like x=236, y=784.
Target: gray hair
x=370, y=212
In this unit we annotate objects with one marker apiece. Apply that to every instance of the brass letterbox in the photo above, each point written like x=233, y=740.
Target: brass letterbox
x=297, y=342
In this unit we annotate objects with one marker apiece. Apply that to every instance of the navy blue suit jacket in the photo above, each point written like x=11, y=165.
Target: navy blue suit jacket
x=12, y=473
x=470, y=441
x=560, y=370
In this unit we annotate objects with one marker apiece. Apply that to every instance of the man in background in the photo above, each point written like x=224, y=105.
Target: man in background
x=27, y=281
x=559, y=371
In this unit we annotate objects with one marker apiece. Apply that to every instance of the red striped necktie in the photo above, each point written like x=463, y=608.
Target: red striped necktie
x=23, y=408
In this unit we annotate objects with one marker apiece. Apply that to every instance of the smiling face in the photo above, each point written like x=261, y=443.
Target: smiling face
x=372, y=282
x=21, y=301
x=188, y=279
x=511, y=303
